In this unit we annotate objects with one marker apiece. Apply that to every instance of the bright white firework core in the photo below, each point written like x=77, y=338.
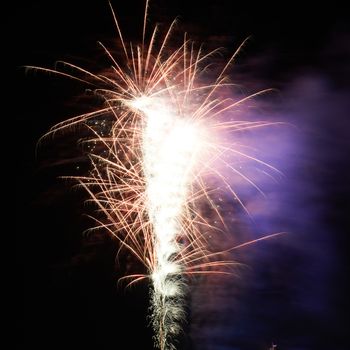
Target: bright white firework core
x=170, y=145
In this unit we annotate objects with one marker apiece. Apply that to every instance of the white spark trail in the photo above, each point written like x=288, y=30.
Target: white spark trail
x=170, y=145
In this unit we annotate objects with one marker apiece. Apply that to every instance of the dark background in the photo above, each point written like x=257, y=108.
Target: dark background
x=69, y=297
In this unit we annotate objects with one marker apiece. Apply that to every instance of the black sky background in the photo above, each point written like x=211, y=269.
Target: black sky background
x=69, y=297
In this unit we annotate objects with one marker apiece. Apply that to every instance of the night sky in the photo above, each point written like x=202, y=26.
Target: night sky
x=294, y=291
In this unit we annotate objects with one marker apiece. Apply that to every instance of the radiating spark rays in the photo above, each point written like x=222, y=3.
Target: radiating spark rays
x=165, y=140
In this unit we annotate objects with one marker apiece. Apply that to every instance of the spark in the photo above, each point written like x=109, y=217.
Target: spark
x=166, y=135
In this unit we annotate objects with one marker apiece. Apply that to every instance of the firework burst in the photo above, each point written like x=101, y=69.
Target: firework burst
x=166, y=134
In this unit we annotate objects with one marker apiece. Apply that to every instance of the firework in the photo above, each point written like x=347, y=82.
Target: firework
x=151, y=170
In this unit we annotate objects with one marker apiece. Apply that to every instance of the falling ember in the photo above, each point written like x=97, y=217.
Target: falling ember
x=167, y=133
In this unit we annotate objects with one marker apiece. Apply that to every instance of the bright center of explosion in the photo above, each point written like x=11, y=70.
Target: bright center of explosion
x=170, y=146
